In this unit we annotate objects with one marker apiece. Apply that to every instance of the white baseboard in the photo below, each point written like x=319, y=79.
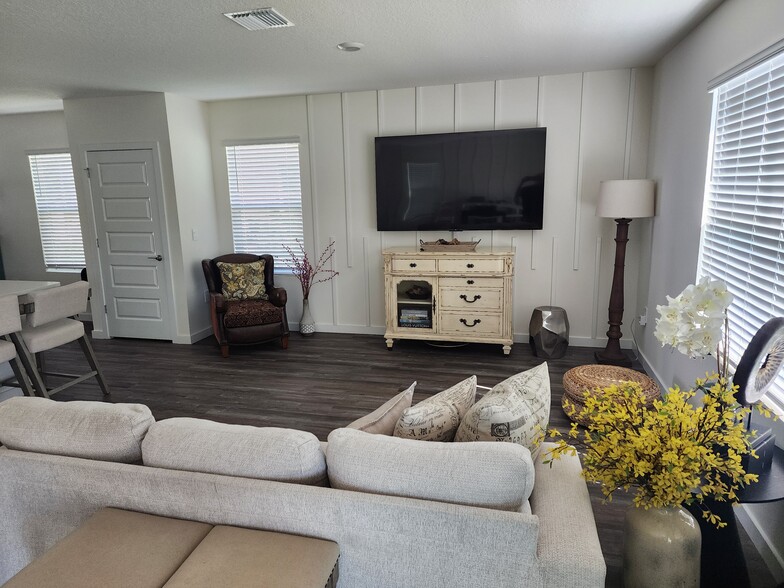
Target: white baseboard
x=773, y=558
x=651, y=371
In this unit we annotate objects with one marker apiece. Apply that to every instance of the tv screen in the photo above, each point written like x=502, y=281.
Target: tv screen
x=486, y=180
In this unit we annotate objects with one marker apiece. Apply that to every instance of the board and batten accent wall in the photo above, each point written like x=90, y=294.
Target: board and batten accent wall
x=597, y=128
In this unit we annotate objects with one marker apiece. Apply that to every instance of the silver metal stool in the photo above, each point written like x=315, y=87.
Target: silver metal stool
x=549, y=332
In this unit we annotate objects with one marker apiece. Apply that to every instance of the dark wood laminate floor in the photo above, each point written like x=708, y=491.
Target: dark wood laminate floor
x=324, y=382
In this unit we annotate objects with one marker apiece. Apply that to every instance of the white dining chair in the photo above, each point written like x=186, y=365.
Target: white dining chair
x=11, y=323
x=50, y=326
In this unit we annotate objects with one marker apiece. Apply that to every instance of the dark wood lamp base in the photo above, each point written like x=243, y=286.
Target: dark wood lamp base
x=612, y=353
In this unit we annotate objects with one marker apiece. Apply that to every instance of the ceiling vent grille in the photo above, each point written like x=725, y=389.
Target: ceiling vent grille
x=259, y=19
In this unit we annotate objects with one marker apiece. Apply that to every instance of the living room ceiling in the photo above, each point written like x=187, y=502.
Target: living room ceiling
x=55, y=50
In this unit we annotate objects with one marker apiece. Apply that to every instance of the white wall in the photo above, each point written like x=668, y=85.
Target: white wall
x=193, y=182
x=130, y=121
x=598, y=126
x=737, y=30
x=20, y=239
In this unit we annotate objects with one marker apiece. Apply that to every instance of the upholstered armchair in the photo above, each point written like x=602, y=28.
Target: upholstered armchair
x=244, y=313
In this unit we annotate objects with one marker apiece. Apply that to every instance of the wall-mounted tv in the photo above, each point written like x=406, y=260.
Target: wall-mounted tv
x=483, y=180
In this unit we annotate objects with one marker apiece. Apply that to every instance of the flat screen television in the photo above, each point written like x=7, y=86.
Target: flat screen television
x=483, y=180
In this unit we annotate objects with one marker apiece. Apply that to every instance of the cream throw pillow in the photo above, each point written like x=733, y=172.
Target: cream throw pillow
x=382, y=421
x=516, y=410
x=438, y=417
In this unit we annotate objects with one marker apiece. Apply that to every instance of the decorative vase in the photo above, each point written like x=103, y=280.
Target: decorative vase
x=661, y=548
x=307, y=326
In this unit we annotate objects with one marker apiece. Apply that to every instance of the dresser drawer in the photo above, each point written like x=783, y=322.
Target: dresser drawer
x=470, y=298
x=471, y=266
x=470, y=323
x=471, y=282
x=413, y=265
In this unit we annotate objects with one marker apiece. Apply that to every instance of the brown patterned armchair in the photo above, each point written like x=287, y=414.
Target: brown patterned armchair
x=246, y=322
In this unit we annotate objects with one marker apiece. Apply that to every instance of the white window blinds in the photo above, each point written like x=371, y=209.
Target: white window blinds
x=58, y=213
x=266, y=198
x=743, y=225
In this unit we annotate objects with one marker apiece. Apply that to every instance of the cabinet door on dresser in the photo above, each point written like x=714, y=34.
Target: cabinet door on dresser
x=412, y=304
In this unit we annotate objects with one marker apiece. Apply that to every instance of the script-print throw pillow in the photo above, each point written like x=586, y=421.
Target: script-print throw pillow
x=438, y=417
x=516, y=410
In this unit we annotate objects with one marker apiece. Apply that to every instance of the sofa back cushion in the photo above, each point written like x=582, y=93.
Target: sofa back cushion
x=91, y=430
x=264, y=453
x=490, y=475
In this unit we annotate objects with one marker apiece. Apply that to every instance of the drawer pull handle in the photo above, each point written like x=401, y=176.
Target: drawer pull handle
x=470, y=282
x=469, y=265
x=412, y=265
x=465, y=322
x=476, y=297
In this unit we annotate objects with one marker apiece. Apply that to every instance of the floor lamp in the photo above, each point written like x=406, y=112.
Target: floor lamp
x=622, y=200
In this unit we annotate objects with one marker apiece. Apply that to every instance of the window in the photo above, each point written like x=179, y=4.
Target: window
x=58, y=213
x=266, y=198
x=743, y=224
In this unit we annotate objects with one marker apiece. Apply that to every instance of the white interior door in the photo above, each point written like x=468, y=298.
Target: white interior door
x=125, y=198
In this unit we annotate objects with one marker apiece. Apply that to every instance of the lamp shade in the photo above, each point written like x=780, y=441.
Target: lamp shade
x=625, y=199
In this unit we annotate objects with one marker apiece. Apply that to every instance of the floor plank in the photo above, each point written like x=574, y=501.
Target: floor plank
x=324, y=382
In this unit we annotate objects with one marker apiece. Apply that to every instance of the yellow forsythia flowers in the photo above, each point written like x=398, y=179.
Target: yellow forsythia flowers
x=675, y=453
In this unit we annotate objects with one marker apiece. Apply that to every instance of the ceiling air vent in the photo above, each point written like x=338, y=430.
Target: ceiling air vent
x=259, y=19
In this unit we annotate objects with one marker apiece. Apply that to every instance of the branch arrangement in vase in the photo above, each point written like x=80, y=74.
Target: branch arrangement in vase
x=307, y=273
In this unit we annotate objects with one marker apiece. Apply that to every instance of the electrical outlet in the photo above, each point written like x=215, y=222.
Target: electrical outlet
x=206, y=296
x=644, y=317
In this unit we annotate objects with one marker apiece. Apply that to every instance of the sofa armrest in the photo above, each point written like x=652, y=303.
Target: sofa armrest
x=278, y=296
x=569, y=551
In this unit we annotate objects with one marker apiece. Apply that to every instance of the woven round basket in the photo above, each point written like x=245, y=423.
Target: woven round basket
x=593, y=378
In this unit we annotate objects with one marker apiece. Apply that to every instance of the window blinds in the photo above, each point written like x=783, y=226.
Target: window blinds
x=743, y=225
x=58, y=212
x=266, y=198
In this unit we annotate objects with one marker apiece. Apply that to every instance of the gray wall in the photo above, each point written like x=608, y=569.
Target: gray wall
x=680, y=131
x=20, y=238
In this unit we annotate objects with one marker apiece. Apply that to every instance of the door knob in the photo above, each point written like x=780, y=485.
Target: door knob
x=157, y=257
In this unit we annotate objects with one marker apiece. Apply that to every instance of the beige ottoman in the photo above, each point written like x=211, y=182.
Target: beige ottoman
x=118, y=548
x=593, y=378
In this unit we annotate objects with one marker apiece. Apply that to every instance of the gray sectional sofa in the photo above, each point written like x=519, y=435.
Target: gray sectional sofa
x=403, y=513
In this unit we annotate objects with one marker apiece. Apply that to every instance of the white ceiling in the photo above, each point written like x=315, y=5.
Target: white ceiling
x=50, y=50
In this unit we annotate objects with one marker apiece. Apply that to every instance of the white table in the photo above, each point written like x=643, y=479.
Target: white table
x=18, y=288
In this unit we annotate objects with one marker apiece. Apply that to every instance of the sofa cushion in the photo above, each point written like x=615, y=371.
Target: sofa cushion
x=92, y=430
x=264, y=453
x=382, y=421
x=250, y=313
x=243, y=281
x=438, y=417
x=516, y=410
x=490, y=475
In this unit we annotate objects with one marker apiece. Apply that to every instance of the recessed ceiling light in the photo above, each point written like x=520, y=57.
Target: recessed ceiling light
x=350, y=46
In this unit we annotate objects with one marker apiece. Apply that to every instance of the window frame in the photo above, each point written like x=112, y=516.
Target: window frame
x=774, y=398
x=78, y=265
x=282, y=259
